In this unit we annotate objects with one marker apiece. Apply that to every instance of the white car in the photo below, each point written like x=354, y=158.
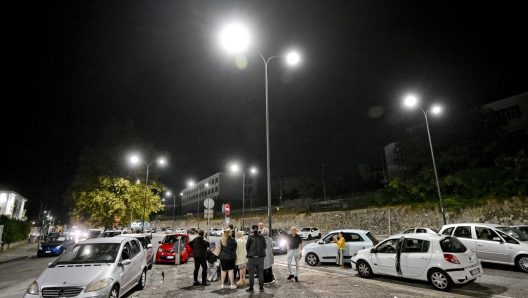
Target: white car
x=441, y=260
x=219, y=232
x=492, y=243
x=309, y=232
x=419, y=231
x=325, y=250
x=168, y=231
x=180, y=231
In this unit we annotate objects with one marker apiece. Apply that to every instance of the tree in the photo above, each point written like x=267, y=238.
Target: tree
x=112, y=198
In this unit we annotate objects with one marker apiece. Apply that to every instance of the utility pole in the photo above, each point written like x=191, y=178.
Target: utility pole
x=383, y=168
x=324, y=188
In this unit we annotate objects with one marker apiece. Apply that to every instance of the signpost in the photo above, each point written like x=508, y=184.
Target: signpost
x=227, y=211
x=208, y=204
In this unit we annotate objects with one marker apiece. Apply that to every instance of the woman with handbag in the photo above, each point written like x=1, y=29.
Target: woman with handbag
x=228, y=257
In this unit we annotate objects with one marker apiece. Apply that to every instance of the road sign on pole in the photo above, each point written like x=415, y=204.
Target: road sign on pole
x=227, y=209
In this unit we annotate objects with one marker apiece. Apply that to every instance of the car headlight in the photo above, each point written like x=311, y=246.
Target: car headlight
x=58, y=247
x=40, y=248
x=160, y=250
x=282, y=242
x=33, y=288
x=100, y=285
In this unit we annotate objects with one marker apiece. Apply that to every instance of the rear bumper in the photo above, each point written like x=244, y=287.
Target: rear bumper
x=464, y=275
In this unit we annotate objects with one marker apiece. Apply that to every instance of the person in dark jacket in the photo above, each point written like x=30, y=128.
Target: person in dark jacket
x=200, y=246
x=256, y=251
x=228, y=257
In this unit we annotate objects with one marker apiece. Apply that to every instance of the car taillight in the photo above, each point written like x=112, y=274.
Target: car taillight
x=451, y=259
x=374, y=243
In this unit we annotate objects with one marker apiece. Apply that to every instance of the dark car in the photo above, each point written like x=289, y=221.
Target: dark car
x=280, y=241
x=55, y=245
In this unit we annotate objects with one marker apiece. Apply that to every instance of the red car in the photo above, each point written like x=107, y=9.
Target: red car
x=168, y=247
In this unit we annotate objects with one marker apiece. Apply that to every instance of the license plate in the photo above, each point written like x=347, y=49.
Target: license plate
x=170, y=257
x=48, y=252
x=474, y=271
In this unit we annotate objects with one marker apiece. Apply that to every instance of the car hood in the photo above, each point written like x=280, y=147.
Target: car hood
x=51, y=244
x=62, y=275
x=311, y=246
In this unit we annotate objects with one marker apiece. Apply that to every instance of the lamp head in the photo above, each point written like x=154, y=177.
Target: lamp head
x=253, y=171
x=293, y=58
x=134, y=159
x=234, y=38
x=436, y=110
x=411, y=101
x=234, y=168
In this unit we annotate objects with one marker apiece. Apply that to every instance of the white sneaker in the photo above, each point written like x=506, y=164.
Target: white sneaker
x=209, y=279
x=221, y=287
x=272, y=282
x=233, y=287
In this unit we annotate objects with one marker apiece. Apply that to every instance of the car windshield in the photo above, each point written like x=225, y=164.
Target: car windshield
x=110, y=234
x=94, y=233
x=54, y=239
x=452, y=245
x=171, y=239
x=305, y=229
x=514, y=233
x=90, y=253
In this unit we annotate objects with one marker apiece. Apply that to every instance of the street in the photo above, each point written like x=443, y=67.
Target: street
x=324, y=280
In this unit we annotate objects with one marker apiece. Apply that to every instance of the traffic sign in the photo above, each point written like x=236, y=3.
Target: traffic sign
x=227, y=209
x=208, y=203
x=223, y=208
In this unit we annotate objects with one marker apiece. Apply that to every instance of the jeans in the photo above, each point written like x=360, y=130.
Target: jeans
x=293, y=253
x=339, y=258
x=214, y=271
x=256, y=263
x=203, y=263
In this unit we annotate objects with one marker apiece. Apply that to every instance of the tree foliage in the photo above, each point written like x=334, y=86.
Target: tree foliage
x=112, y=198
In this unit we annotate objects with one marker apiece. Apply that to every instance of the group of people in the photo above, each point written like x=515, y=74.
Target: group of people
x=236, y=254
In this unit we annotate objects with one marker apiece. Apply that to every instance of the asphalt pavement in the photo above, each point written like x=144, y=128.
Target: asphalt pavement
x=22, y=250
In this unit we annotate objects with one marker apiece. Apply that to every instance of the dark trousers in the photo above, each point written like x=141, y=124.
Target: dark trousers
x=197, y=263
x=257, y=264
x=268, y=275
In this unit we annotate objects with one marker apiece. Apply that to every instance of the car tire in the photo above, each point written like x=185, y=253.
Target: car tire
x=522, y=263
x=364, y=270
x=150, y=266
x=142, y=280
x=311, y=259
x=440, y=280
x=114, y=293
x=309, y=237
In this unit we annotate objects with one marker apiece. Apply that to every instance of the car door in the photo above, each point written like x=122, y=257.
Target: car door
x=354, y=243
x=328, y=248
x=465, y=233
x=383, y=258
x=128, y=269
x=415, y=257
x=489, y=250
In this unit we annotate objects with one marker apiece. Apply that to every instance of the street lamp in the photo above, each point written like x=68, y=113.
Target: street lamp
x=174, y=207
x=234, y=168
x=411, y=101
x=235, y=38
x=134, y=160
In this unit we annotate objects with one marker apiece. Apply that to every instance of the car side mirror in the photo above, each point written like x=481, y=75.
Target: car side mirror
x=150, y=245
x=497, y=239
x=126, y=262
x=159, y=242
x=373, y=251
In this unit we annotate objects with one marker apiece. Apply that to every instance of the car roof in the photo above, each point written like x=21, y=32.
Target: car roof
x=490, y=225
x=132, y=235
x=176, y=234
x=418, y=236
x=104, y=240
x=349, y=231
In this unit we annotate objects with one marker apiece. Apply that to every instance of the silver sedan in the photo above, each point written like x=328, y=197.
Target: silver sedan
x=100, y=267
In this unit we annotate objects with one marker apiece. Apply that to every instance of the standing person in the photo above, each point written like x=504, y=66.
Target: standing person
x=260, y=227
x=256, y=251
x=228, y=257
x=200, y=246
x=242, y=260
x=236, y=271
x=269, y=259
x=294, y=252
x=340, y=240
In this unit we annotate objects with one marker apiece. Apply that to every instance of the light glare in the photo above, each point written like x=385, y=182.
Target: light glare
x=234, y=38
x=134, y=159
x=436, y=110
x=411, y=101
x=234, y=168
x=293, y=58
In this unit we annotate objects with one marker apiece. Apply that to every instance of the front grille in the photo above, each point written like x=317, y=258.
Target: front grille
x=61, y=292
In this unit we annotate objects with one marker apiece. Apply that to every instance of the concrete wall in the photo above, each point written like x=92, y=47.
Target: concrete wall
x=376, y=220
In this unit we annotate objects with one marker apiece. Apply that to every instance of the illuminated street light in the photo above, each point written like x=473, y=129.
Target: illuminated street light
x=234, y=168
x=134, y=160
x=235, y=38
x=411, y=101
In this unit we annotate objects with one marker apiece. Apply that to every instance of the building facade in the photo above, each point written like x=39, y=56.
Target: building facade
x=513, y=111
x=12, y=204
x=223, y=188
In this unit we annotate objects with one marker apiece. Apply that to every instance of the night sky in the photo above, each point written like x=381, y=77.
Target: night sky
x=73, y=66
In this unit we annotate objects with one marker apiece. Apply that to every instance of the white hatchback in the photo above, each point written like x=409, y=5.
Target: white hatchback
x=441, y=260
x=325, y=250
x=309, y=232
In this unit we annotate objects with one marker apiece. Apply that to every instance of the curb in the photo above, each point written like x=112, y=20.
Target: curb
x=14, y=259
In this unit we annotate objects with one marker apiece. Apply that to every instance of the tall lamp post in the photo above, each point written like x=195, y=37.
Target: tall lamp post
x=234, y=168
x=235, y=38
x=411, y=101
x=174, y=207
x=135, y=160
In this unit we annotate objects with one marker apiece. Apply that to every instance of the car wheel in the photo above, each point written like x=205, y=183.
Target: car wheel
x=309, y=237
x=142, y=280
x=150, y=266
x=440, y=280
x=311, y=259
x=114, y=293
x=522, y=263
x=364, y=269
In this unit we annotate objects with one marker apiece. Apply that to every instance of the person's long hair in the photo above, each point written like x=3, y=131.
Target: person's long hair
x=225, y=236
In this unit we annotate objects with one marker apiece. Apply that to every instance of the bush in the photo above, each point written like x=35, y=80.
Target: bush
x=14, y=230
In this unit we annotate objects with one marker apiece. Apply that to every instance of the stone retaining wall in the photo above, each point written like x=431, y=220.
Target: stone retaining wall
x=384, y=221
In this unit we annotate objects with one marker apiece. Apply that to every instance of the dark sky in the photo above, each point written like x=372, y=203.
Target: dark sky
x=72, y=66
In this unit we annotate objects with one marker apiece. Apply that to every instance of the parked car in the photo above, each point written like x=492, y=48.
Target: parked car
x=55, y=245
x=94, y=233
x=169, y=246
x=168, y=231
x=280, y=241
x=109, y=234
x=522, y=228
x=100, y=267
x=192, y=230
x=219, y=232
x=211, y=231
x=492, y=243
x=325, y=250
x=180, y=231
x=441, y=260
x=148, y=232
x=419, y=230
x=309, y=233
x=147, y=247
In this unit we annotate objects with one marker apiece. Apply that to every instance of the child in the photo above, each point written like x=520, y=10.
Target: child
x=213, y=263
